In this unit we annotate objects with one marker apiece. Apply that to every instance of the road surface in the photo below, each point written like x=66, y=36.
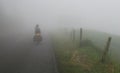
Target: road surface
x=24, y=56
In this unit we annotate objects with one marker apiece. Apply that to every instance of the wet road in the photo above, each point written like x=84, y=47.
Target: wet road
x=24, y=56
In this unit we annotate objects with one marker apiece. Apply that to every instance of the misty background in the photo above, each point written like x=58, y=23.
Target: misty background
x=21, y=16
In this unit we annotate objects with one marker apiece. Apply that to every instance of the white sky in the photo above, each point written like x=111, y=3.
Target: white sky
x=102, y=15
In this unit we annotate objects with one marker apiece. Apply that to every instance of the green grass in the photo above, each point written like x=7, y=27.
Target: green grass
x=100, y=38
x=86, y=59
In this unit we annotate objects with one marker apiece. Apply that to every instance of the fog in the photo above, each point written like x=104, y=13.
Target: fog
x=19, y=17
x=100, y=15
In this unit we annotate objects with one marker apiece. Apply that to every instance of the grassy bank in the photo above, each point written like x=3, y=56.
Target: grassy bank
x=72, y=58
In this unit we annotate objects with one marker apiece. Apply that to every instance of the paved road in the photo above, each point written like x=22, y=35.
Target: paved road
x=27, y=57
x=41, y=58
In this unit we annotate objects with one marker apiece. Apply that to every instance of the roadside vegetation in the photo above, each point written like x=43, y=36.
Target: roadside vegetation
x=85, y=57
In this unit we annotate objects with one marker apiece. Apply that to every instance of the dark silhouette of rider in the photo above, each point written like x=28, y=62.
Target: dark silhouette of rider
x=37, y=29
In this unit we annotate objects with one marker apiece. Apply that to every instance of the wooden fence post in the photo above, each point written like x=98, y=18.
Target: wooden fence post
x=106, y=49
x=73, y=35
x=81, y=33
